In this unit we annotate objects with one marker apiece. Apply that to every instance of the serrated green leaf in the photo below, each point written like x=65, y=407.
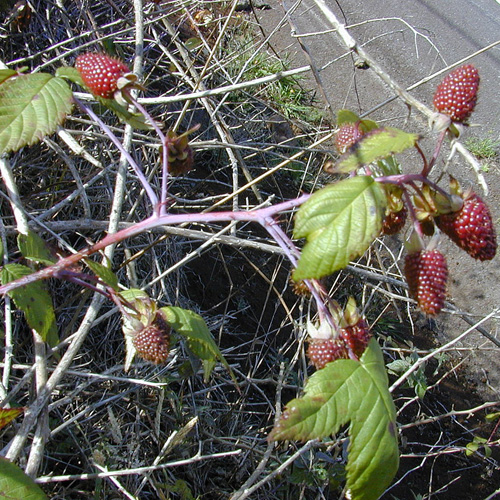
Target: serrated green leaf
x=340, y=222
x=31, y=107
x=375, y=145
x=5, y=74
x=398, y=366
x=33, y=248
x=16, y=485
x=345, y=116
x=199, y=339
x=355, y=393
x=34, y=301
x=103, y=272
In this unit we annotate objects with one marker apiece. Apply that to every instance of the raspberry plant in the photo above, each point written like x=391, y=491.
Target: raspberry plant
x=338, y=223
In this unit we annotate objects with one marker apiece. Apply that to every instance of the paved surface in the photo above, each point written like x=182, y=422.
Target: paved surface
x=411, y=41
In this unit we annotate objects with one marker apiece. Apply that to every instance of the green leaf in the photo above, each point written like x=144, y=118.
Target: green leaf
x=132, y=294
x=9, y=414
x=491, y=417
x=199, y=339
x=340, y=222
x=16, y=485
x=103, y=272
x=345, y=116
x=135, y=120
x=70, y=73
x=31, y=107
x=192, y=43
x=355, y=393
x=367, y=126
x=375, y=145
x=34, y=301
x=33, y=248
x=5, y=74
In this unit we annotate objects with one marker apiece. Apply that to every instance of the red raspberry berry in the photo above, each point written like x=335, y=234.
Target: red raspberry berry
x=100, y=73
x=152, y=343
x=394, y=221
x=347, y=135
x=456, y=95
x=322, y=351
x=426, y=273
x=471, y=228
x=356, y=337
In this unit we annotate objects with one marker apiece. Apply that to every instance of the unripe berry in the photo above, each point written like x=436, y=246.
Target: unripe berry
x=152, y=343
x=323, y=351
x=426, y=273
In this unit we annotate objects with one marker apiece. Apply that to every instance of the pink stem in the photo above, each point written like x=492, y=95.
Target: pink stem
x=148, y=224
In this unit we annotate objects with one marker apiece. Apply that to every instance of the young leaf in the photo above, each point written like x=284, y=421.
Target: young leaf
x=33, y=248
x=345, y=116
x=70, y=73
x=375, y=145
x=9, y=414
x=15, y=484
x=350, y=392
x=131, y=294
x=31, y=107
x=340, y=222
x=199, y=339
x=34, y=301
x=103, y=272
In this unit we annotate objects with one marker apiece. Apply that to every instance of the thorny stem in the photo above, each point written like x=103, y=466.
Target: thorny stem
x=402, y=179
x=153, y=198
x=437, y=150
x=162, y=209
x=425, y=168
x=413, y=215
x=293, y=254
x=152, y=222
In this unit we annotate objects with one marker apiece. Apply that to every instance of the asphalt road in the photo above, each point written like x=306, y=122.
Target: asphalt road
x=413, y=40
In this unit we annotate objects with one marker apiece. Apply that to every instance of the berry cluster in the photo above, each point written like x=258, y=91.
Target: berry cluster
x=356, y=336
x=152, y=343
x=426, y=273
x=323, y=351
x=353, y=339
x=471, y=228
x=456, y=95
x=100, y=73
x=347, y=135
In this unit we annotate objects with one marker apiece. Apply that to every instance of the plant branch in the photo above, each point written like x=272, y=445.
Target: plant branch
x=148, y=224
